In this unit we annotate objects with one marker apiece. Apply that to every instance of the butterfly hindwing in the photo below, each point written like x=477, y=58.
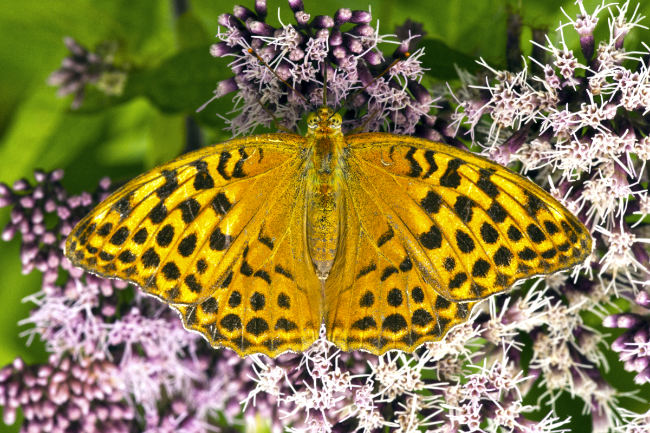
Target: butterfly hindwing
x=376, y=298
x=207, y=229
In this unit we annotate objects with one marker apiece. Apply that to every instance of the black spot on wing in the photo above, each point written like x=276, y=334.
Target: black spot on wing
x=120, y=236
x=431, y=239
x=234, y=300
x=263, y=275
x=486, y=185
x=219, y=241
x=463, y=208
x=226, y=282
x=406, y=264
x=451, y=178
x=533, y=204
x=394, y=298
x=209, y=306
x=365, y=324
x=503, y=256
x=140, y=236
x=431, y=203
x=527, y=254
x=187, y=246
x=201, y=266
x=433, y=167
x=258, y=301
x=549, y=254
x=395, y=323
x=170, y=271
x=390, y=270
x=171, y=184
x=202, y=180
x=514, y=234
x=535, y=234
x=238, y=171
x=458, y=280
x=421, y=317
x=368, y=269
x=105, y=229
x=449, y=264
x=489, y=234
x=150, y=259
x=231, y=322
x=221, y=167
x=123, y=206
x=496, y=212
x=280, y=270
x=442, y=303
x=481, y=268
x=265, y=240
x=285, y=325
x=165, y=236
x=417, y=294
x=386, y=237
x=158, y=213
x=551, y=227
x=465, y=242
x=193, y=284
x=284, y=301
x=367, y=300
x=189, y=210
x=126, y=256
x=416, y=170
x=221, y=204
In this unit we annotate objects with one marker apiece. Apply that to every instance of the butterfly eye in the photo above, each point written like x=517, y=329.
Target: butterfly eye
x=335, y=121
x=312, y=121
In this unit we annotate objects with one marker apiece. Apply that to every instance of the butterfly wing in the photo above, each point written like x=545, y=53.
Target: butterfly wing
x=219, y=235
x=430, y=231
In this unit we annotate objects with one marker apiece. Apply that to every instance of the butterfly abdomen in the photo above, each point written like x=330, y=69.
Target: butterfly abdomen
x=323, y=200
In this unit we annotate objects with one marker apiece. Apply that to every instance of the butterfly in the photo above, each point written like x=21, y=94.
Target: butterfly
x=389, y=240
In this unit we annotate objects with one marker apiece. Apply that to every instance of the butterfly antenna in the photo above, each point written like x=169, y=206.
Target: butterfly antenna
x=325, y=84
x=253, y=52
x=406, y=55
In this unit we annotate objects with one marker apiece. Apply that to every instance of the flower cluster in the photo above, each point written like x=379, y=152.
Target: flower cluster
x=634, y=344
x=275, y=67
x=83, y=67
x=65, y=395
x=114, y=365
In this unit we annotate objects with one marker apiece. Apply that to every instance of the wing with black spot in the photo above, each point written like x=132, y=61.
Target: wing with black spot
x=457, y=226
x=218, y=234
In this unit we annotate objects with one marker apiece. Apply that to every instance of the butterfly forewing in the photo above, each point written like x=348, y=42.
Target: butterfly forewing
x=481, y=226
x=219, y=235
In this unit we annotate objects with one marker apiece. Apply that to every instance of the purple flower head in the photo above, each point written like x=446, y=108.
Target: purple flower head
x=344, y=47
x=65, y=395
x=83, y=67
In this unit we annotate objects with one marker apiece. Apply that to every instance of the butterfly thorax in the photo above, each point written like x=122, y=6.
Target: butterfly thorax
x=326, y=142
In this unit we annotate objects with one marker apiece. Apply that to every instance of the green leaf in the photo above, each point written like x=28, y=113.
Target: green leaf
x=440, y=59
x=166, y=138
x=191, y=32
x=182, y=83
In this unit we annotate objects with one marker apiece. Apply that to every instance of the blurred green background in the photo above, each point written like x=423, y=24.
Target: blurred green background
x=172, y=74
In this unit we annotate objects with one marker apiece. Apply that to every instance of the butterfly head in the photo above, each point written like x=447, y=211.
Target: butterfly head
x=324, y=121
